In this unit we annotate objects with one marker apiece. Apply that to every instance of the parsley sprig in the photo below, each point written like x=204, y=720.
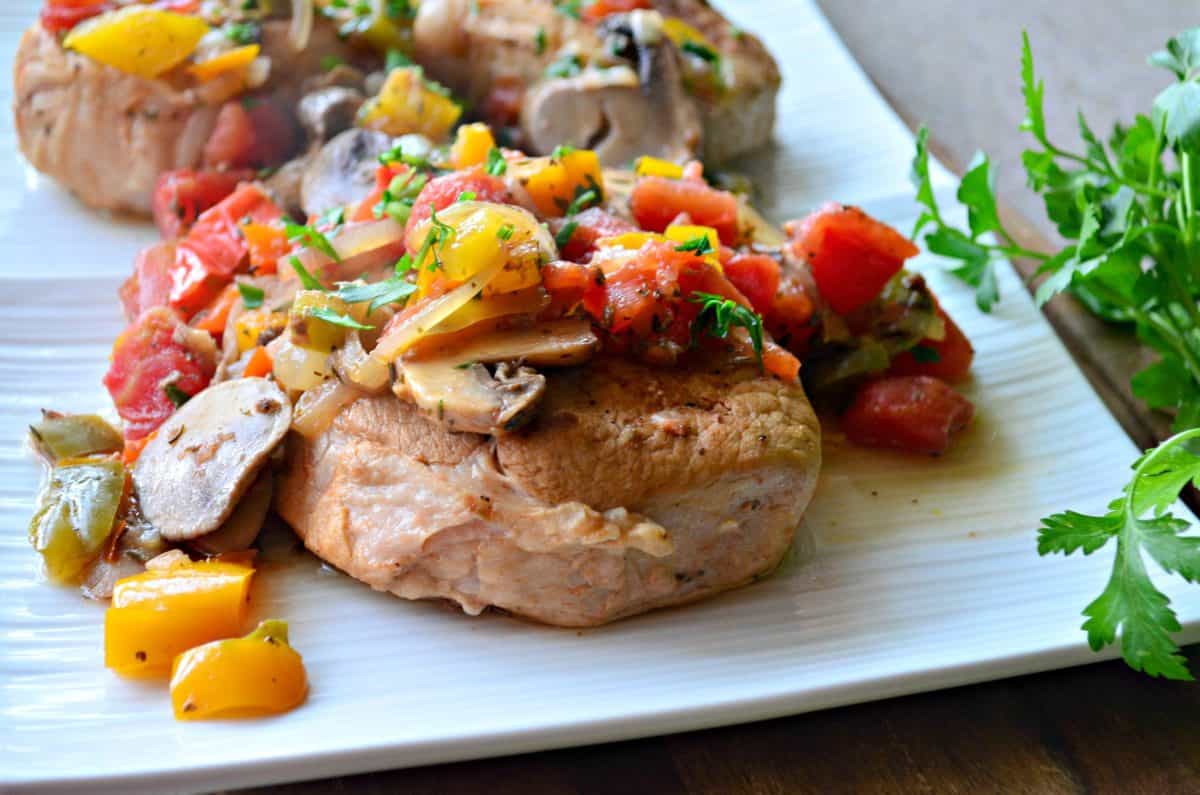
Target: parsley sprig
x=718, y=315
x=310, y=238
x=1127, y=207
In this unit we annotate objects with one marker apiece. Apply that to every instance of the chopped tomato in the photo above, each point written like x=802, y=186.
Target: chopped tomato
x=780, y=363
x=502, y=105
x=757, y=276
x=792, y=319
x=948, y=358
x=443, y=191
x=657, y=201
x=215, y=248
x=214, y=316
x=59, y=16
x=150, y=284
x=267, y=243
x=250, y=133
x=259, y=364
x=914, y=413
x=599, y=9
x=133, y=449
x=852, y=255
x=590, y=225
x=153, y=360
x=572, y=284
x=180, y=196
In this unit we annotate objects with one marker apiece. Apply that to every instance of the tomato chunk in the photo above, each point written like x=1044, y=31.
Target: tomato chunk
x=590, y=225
x=852, y=255
x=156, y=351
x=150, y=283
x=443, y=191
x=914, y=413
x=251, y=133
x=181, y=196
x=948, y=358
x=59, y=16
x=657, y=201
x=757, y=276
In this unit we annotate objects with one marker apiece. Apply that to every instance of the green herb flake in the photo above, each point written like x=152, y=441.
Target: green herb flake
x=505, y=232
x=252, y=296
x=310, y=238
x=330, y=62
x=699, y=245
x=174, y=394
x=539, y=41
x=497, y=166
x=307, y=280
x=336, y=318
x=718, y=315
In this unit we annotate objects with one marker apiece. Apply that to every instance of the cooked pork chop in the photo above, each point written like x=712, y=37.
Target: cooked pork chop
x=106, y=135
x=635, y=488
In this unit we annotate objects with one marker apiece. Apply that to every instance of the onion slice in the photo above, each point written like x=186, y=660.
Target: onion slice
x=364, y=248
x=318, y=407
x=302, y=23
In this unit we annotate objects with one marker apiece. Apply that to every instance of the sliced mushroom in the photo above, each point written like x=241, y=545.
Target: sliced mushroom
x=192, y=474
x=558, y=343
x=343, y=171
x=286, y=183
x=470, y=398
x=328, y=111
x=241, y=528
x=621, y=112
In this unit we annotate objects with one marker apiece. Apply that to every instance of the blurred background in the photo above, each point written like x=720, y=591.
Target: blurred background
x=956, y=67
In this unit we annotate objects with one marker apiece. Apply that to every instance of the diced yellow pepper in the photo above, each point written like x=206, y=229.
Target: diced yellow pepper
x=476, y=244
x=408, y=103
x=141, y=40
x=680, y=33
x=259, y=674
x=683, y=233
x=560, y=180
x=630, y=241
x=647, y=166
x=311, y=331
x=161, y=613
x=251, y=326
x=522, y=302
x=233, y=60
x=472, y=143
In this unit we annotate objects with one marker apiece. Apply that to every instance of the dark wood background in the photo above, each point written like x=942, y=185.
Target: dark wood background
x=1101, y=728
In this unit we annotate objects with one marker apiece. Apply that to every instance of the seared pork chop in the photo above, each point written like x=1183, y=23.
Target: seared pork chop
x=636, y=488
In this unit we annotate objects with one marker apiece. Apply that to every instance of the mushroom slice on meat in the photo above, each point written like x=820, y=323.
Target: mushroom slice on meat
x=557, y=343
x=241, y=528
x=343, y=171
x=621, y=112
x=328, y=111
x=192, y=474
x=470, y=398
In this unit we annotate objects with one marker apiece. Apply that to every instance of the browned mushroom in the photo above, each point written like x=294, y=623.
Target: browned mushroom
x=192, y=474
x=343, y=171
x=241, y=528
x=558, y=343
x=328, y=111
x=470, y=398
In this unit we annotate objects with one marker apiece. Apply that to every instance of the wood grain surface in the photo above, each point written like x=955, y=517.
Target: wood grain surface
x=1100, y=728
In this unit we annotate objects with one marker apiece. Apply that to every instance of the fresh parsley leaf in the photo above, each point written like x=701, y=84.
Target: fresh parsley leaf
x=719, y=314
x=337, y=318
x=333, y=217
x=252, y=296
x=330, y=62
x=505, y=232
x=566, y=65
x=242, y=33
x=699, y=245
x=704, y=53
x=396, y=60
x=307, y=280
x=570, y=8
x=1034, y=92
x=539, y=41
x=564, y=235
x=466, y=196
x=176, y=395
x=310, y=238
x=1181, y=56
x=1131, y=608
x=581, y=201
x=561, y=151
x=388, y=291
x=977, y=192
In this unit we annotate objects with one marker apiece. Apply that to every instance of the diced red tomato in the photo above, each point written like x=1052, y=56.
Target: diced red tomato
x=214, y=316
x=757, y=277
x=792, y=319
x=267, y=244
x=215, y=248
x=657, y=201
x=502, y=105
x=150, y=283
x=383, y=178
x=572, y=284
x=590, y=225
x=443, y=191
x=597, y=10
x=59, y=16
x=180, y=196
x=852, y=255
x=948, y=358
x=914, y=413
x=152, y=353
x=250, y=133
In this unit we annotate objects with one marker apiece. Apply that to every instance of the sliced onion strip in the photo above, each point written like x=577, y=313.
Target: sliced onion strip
x=302, y=23
x=318, y=407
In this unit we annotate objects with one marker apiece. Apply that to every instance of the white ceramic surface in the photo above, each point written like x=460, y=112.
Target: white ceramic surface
x=924, y=573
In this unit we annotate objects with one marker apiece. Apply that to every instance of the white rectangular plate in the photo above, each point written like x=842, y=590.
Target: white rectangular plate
x=924, y=573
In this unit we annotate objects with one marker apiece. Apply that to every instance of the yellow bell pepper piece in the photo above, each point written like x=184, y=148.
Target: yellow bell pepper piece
x=477, y=243
x=680, y=33
x=408, y=103
x=684, y=233
x=560, y=180
x=161, y=613
x=141, y=40
x=631, y=241
x=250, y=327
x=472, y=143
x=233, y=60
x=308, y=330
x=522, y=302
x=647, y=166
x=259, y=674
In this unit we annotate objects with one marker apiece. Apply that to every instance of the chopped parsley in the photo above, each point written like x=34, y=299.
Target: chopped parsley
x=310, y=238
x=561, y=151
x=176, y=395
x=252, y=296
x=701, y=51
x=330, y=62
x=700, y=245
x=336, y=318
x=243, y=33
x=388, y=291
x=333, y=217
x=505, y=232
x=397, y=155
x=539, y=41
x=719, y=314
x=497, y=166
x=401, y=10
x=466, y=196
x=307, y=280
x=396, y=60
x=581, y=201
x=564, y=235
x=568, y=65
x=400, y=196
x=569, y=8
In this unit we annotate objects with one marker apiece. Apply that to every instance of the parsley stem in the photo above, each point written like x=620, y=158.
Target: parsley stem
x=1144, y=466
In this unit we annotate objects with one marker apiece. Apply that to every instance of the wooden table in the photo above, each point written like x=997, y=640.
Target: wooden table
x=1100, y=728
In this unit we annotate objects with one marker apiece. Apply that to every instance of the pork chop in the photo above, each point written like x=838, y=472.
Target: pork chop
x=636, y=488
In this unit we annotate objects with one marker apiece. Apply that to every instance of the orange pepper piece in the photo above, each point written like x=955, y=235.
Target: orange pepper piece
x=267, y=243
x=259, y=674
x=260, y=364
x=216, y=314
x=235, y=59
